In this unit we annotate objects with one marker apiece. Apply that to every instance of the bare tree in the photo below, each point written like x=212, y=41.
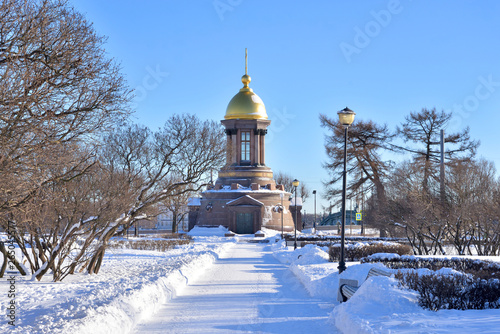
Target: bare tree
x=366, y=143
x=57, y=228
x=427, y=219
x=69, y=222
x=411, y=210
x=155, y=167
x=287, y=181
x=472, y=224
x=57, y=87
x=177, y=206
x=304, y=191
x=59, y=92
x=422, y=129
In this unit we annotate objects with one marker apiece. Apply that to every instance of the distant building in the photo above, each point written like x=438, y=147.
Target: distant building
x=164, y=222
x=145, y=224
x=245, y=196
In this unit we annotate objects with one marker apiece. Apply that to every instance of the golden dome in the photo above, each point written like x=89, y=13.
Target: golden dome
x=246, y=104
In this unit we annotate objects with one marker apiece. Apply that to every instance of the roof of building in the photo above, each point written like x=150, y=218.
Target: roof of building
x=245, y=200
x=246, y=104
x=299, y=201
x=194, y=201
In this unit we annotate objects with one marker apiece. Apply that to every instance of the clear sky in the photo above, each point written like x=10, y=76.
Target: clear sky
x=382, y=59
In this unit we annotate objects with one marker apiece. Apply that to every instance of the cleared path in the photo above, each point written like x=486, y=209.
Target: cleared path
x=246, y=291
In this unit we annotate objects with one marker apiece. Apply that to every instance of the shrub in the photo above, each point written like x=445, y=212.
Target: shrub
x=458, y=291
x=477, y=268
x=476, y=287
x=355, y=252
x=336, y=238
x=160, y=245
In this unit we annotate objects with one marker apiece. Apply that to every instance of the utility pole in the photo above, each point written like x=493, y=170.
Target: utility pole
x=442, y=189
x=314, y=225
x=362, y=210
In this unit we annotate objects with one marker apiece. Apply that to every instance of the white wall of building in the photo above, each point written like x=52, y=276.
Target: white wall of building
x=164, y=222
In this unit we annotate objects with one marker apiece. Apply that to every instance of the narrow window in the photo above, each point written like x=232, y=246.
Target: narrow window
x=245, y=145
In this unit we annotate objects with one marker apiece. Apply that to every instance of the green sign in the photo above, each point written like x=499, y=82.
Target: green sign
x=359, y=216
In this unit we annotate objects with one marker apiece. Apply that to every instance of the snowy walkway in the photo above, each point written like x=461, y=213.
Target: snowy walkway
x=246, y=290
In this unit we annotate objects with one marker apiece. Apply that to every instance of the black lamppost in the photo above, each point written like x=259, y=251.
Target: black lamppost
x=295, y=184
x=281, y=195
x=279, y=208
x=314, y=224
x=346, y=117
x=304, y=219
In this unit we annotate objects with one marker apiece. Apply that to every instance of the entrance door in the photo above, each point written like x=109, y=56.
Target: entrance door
x=244, y=223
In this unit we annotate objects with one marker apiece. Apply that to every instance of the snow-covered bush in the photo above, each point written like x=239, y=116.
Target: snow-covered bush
x=149, y=244
x=477, y=268
x=336, y=238
x=447, y=283
x=455, y=291
x=357, y=251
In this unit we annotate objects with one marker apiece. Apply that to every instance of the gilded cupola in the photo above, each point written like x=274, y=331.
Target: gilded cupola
x=246, y=104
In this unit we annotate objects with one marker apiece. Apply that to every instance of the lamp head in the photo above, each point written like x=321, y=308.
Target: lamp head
x=295, y=183
x=346, y=116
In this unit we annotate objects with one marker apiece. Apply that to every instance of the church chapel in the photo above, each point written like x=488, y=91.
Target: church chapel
x=245, y=197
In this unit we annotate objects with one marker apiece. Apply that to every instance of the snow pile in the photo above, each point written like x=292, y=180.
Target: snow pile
x=310, y=265
x=379, y=306
x=320, y=280
x=269, y=232
x=199, y=231
x=131, y=287
x=308, y=254
x=311, y=254
x=383, y=256
x=373, y=307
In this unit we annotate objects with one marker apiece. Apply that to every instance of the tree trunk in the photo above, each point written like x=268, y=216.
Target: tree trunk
x=5, y=260
x=381, y=207
x=174, y=222
x=96, y=260
x=12, y=259
x=41, y=253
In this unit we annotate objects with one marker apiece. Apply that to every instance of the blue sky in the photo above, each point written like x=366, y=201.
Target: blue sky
x=382, y=59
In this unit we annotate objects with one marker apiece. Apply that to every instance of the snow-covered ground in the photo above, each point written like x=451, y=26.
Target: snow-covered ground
x=130, y=287
x=379, y=306
x=247, y=290
x=134, y=287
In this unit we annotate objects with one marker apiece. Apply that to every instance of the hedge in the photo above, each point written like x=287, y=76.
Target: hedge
x=160, y=245
x=357, y=251
x=477, y=268
x=475, y=285
x=460, y=292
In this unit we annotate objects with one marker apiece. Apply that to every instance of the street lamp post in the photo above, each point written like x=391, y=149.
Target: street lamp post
x=304, y=219
x=314, y=224
x=350, y=215
x=295, y=184
x=281, y=196
x=346, y=117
